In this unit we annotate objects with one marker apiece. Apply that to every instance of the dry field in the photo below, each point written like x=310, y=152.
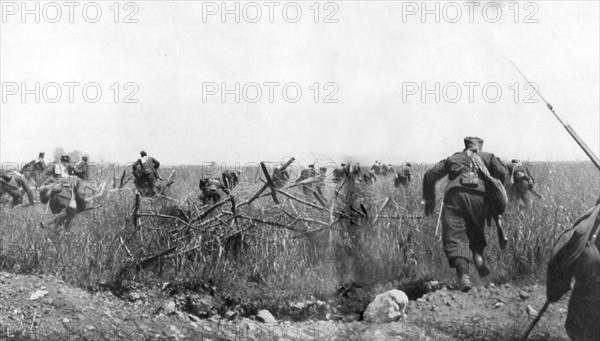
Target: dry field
x=265, y=254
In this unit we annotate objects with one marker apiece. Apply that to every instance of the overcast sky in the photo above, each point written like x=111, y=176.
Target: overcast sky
x=376, y=57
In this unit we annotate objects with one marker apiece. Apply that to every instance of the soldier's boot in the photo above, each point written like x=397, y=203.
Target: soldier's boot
x=462, y=270
x=480, y=263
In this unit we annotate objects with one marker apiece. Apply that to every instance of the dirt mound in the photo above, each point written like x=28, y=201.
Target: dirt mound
x=45, y=308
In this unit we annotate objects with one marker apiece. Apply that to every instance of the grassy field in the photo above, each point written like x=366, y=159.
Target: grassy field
x=270, y=252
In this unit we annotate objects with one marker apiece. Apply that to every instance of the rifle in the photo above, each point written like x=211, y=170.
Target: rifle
x=587, y=151
x=535, y=321
x=570, y=130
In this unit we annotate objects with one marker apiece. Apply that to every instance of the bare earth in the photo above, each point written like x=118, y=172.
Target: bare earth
x=486, y=313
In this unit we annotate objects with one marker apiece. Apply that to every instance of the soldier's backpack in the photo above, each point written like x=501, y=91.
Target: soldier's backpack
x=494, y=189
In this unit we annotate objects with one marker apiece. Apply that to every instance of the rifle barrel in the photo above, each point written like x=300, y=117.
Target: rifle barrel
x=568, y=127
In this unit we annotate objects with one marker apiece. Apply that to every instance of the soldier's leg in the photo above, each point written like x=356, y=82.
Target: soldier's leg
x=527, y=200
x=151, y=183
x=454, y=229
x=475, y=218
x=456, y=242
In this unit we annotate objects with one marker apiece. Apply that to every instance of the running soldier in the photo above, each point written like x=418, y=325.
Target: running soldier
x=12, y=182
x=145, y=172
x=464, y=212
x=521, y=184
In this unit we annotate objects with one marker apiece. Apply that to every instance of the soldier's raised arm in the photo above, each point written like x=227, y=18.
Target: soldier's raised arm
x=430, y=178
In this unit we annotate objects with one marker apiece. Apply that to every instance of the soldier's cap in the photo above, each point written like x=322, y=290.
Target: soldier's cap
x=312, y=165
x=84, y=158
x=473, y=143
x=65, y=158
x=515, y=161
x=143, y=153
x=41, y=154
x=343, y=164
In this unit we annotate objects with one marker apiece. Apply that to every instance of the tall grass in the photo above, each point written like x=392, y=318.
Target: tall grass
x=257, y=256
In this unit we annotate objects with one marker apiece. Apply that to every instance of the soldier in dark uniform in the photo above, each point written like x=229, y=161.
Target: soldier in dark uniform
x=306, y=174
x=231, y=178
x=464, y=210
x=376, y=168
x=81, y=168
x=521, y=184
x=403, y=176
x=280, y=176
x=145, y=172
x=341, y=172
x=370, y=177
x=384, y=170
x=576, y=254
x=40, y=159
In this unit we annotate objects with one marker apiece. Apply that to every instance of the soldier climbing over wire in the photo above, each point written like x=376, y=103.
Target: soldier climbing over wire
x=210, y=190
x=464, y=209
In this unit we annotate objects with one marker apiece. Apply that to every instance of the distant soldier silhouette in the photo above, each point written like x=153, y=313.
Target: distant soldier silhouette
x=280, y=176
x=145, y=172
x=464, y=210
x=370, y=177
x=521, y=184
x=40, y=159
x=376, y=168
x=341, y=172
x=305, y=174
x=385, y=170
x=575, y=255
x=81, y=169
x=64, y=168
x=403, y=176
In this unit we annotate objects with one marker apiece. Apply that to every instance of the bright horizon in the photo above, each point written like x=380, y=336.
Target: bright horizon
x=371, y=55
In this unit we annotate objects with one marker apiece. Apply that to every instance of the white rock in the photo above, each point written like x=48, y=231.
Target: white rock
x=265, y=316
x=531, y=312
x=387, y=307
x=169, y=307
x=38, y=294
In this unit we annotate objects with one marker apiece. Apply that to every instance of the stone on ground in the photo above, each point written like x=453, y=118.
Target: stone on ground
x=387, y=307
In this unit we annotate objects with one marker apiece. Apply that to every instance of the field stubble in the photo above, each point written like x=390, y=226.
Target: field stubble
x=269, y=257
